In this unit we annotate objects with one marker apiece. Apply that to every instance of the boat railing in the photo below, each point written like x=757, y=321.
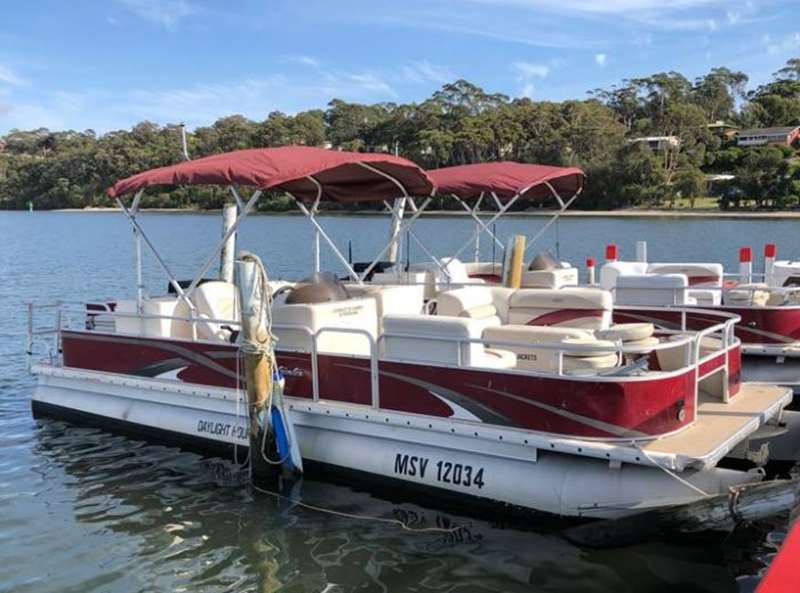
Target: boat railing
x=679, y=293
x=692, y=340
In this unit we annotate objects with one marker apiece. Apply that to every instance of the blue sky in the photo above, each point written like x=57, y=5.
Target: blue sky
x=108, y=64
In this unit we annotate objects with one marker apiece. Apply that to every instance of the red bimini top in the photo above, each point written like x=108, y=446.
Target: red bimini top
x=298, y=170
x=506, y=179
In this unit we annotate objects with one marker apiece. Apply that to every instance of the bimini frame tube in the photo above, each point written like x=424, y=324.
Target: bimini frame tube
x=174, y=283
x=403, y=228
x=311, y=215
x=398, y=221
x=480, y=226
x=503, y=209
x=137, y=249
x=555, y=217
x=215, y=254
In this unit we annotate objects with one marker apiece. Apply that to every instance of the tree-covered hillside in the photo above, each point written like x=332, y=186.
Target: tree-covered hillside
x=462, y=123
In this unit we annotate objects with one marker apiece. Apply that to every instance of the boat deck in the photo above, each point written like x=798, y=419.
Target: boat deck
x=720, y=426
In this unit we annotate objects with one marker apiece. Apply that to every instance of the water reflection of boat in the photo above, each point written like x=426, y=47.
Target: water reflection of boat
x=195, y=526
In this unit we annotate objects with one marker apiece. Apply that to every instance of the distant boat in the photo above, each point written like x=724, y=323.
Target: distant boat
x=30, y=206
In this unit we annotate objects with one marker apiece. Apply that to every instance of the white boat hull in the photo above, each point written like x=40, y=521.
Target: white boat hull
x=389, y=447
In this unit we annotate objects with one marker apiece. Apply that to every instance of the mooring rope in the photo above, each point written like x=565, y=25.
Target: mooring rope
x=396, y=522
x=266, y=348
x=671, y=473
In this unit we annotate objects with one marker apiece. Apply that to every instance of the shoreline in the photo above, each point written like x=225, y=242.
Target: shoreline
x=629, y=213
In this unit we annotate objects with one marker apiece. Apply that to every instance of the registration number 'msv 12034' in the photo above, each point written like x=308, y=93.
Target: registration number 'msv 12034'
x=447, y=472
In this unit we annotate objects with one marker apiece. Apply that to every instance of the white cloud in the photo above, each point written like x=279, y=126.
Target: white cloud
x=600, y=59
x=304, y=60
x=527, y=91
x=527, y=70
x=789, y=43
x=424, y=71
x=198, y=105
x=166, y=13
x=368, y=81
x=8, y=76
x=623, y=7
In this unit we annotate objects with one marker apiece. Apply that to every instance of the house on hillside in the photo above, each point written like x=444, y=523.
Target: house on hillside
x=657, y=143
x=725, y=132
x=785, y=136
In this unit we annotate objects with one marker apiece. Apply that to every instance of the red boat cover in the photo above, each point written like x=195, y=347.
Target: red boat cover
x=288, y=168
x=506, y=179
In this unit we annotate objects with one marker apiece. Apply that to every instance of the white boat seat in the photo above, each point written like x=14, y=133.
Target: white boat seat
x=442, y=277
x=454, y=303
x=556, y=278
x=644, y=344
x=609, y=272
x=155, y=327
x=653, y=289
x=705, y=297
x=215, y=300
x=413, y=338
x=534, y=334
x=587, y=363
x=699, y=275
x=782, y=270
x=546, y=359
x=588, y=308
x=747, y=295
x=626, y=332
x=358, y=314
x=490, y=271
x=398, y=299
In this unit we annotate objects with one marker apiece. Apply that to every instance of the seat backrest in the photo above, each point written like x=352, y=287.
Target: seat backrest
x=399, y=299
x=588, y=308
x=556, y=278
x=431, y=338
x=460, y=301
x=609, y=272
x=489, y=271
x=359, y=313
x=699, y=275
x=783, y=271
x=215, y=300
x=652, y=289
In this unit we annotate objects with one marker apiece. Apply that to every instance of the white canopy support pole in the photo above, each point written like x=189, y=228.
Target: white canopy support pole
x=555, y=217
x=317, y=266
x=474, y=213
x=239, y=201
x=399, y=204
x=403, y=228
x=414, y=235
x=137, y=248
x=497, y=201
x=352, y=273
x=398, y=211
x=143, y=235
x=227, y=255
x=215, y=254
x=497, y=215
x=479, y=225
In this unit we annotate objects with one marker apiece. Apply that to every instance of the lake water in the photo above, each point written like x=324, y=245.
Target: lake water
x=82, y=510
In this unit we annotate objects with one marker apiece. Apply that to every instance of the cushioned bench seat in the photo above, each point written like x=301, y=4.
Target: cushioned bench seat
x=435, y=339
x=523, y=339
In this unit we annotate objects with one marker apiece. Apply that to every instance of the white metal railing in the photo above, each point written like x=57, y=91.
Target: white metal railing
x=679, y=293
x=691, y=339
